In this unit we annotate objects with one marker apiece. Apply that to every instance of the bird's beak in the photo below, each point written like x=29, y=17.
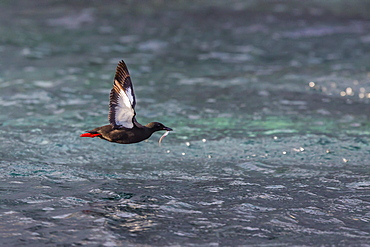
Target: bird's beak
x=167, y=128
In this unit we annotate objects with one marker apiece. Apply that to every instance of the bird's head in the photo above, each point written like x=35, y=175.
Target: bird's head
x=155, y=126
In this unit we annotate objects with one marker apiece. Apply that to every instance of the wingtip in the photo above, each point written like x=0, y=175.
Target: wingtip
x=121, y=72
x=121, y=64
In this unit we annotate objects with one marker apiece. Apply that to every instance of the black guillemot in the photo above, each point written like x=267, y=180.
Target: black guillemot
x=123, y=127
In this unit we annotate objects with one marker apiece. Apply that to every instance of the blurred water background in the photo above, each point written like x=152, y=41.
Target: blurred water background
x=269, y=101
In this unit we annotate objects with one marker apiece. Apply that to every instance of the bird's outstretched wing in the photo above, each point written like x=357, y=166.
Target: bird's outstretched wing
x=122, y=99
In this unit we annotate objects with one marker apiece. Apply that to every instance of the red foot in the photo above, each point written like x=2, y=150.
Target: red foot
x=89, y=135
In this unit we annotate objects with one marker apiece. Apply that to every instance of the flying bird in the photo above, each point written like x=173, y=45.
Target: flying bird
x=123, y=127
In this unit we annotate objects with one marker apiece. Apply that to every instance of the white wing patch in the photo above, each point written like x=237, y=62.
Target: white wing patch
x=123, y=109
x=130, y=97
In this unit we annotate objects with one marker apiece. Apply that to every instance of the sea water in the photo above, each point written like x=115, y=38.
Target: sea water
x=269, y=102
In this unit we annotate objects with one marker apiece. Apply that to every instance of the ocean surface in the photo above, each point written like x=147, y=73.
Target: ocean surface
x=269, y=102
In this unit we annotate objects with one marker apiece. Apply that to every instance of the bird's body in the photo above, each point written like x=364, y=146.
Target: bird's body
x=121, y=135
x=123, y=127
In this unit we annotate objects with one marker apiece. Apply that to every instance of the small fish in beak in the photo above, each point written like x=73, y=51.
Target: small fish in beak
x=163, y=136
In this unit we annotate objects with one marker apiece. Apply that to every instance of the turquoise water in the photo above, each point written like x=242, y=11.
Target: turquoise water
x=269, y=103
